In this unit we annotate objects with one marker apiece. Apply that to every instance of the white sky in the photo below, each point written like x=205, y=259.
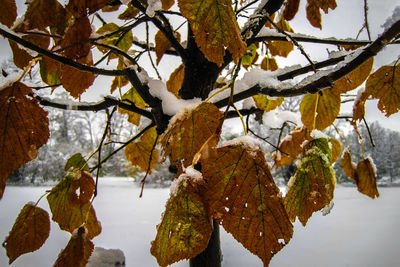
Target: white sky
x=343, y=22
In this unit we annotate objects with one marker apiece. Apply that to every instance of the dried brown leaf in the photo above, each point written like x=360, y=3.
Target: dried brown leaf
x=290, y=10
x=8, y=12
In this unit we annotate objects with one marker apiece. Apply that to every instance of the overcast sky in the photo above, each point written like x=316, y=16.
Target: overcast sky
x=343, y=22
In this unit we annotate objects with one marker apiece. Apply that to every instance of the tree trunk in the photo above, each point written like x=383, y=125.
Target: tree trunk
x=211, y=256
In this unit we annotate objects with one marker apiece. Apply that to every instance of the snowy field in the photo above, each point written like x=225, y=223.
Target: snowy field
x=358, y=232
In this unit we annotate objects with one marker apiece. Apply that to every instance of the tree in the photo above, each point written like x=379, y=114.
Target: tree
x=228, y=184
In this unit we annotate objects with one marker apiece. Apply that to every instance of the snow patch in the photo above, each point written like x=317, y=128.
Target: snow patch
x=248, y=141
x=316, y=134
x=9, y=80
x=248, y=103
x=393, y=19
x=153, y=6
x=177, y=183
x=194, y=174
x=106, y=258
x=275, y=119
x=263, y=78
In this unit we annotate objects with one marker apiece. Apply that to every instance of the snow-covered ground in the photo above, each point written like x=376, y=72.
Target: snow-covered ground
x=359, y=231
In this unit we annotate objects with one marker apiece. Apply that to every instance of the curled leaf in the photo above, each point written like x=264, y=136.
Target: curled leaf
x=312, y=186
x=366, y=178
x=30, y=230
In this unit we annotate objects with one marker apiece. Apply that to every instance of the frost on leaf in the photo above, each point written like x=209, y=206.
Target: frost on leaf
x=244, y=198
x=314, y=13
x=267, y=104
x=24, y=128
x=290, y=148
x=355, y=78
x=366, y=178
x=30, y=230
x=78, y=250
x=215, y=27
x=175, y=80
x=69, y=202
x=188, y=131
x=384, y=84
x=8, y=12
x=312, y=186
x=186, y=225
x=323, y=107
x=132, y=96
x=138, y=153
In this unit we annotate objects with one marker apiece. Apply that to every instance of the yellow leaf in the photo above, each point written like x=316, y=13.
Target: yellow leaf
x=366, y=178
x=30, y=230
x=336, y=149
x=355, y=78
x=24, y=128
x=215, y=27
x=312, y=186
x=175, y=80
x=281, y=48
x=121, y=39
x=328, y=108
x=348, y=166
x=78, y=250
x=8, y=12
x=138, y=153
x=291, y=147
x=188, y=131
x=244, y=198
x=133, y=96
x=314, y=13
x=384, y=84
x=75, y=81
x=269, y=64
x=290, y=10
x=267, y=104
x=71, y=210
x=359, y=106
x=163, y=44
x=186, y=225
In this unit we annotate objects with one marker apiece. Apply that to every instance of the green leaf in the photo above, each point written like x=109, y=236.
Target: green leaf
x=76, y=161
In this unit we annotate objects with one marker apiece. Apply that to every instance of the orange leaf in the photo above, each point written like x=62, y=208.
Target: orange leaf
x=215, y=27
x=75, y=81
x=82, y=8
x=281, y=48
x=290, y=10
x=348, y=166
x=30, y=230
x=163, y=44
x=312, y=186
x=269, y=64
x=8, y=12
x=314, y=13
x=78, y=250
x=43, y=13
x=359, y=105
x=24, y=128
x=244, y=198
x=366, y=178
x=384, y=84
x=175, y=80
x=186, y=225
x=355, y=78
x=138, y=153
x=71, y=210
x=75, y=43
x=328, y=108
x=188, y=131
x=167, y=4
x=266, y=103
x=291, y=146
x=336, y=149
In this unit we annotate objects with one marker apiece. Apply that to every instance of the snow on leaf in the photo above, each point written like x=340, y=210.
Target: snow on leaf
x=267, y=104
x=328, y=108
x=290, y=10
x=290, y=147
x=366, y=178
x=336, y=149
x=281, y=48
x=215, y=27
x=138, y=153
x=78, y=250
x=244, y=198
x=384, y=84
x=186, y=227
x=269, y=63
x=348, y=166
x=163, y=44
x=29, y=232
x=355, y=78
x=24, y=128
x=70, y=210
x=188, y=131
x=74, y=44
x=312, y=186
x=75, y=81
x=175, y=80
x=314, y=13
x=8, y=12
x=133, y=96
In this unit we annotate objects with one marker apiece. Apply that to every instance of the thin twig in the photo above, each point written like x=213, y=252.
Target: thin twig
x=148, y=166
x=148, y=52
x=366, y=19
x=369, y=132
